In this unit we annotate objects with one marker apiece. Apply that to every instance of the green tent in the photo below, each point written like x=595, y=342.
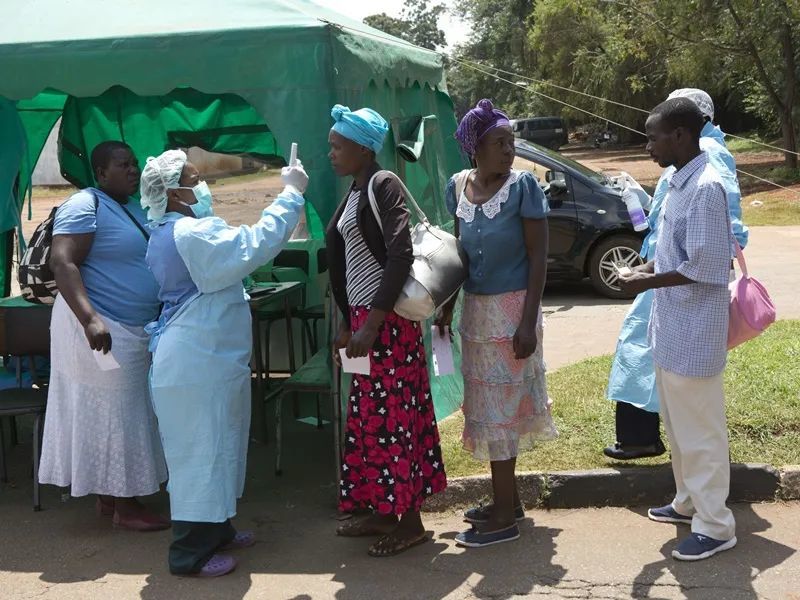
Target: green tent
x=242, y=76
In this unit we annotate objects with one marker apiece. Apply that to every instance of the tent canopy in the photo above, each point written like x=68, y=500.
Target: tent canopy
x=240, y=76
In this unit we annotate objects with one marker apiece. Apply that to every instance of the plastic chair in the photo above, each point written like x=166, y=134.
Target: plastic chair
x=25, y=332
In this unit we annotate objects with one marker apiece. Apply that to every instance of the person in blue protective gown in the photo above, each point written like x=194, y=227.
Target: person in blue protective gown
x=632, y=380
x=201, y=344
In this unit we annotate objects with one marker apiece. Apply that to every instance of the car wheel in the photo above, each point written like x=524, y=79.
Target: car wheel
x=620, y=250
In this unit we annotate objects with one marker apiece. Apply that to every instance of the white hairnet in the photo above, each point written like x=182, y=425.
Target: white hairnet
x=699, y=97
x=161, y=173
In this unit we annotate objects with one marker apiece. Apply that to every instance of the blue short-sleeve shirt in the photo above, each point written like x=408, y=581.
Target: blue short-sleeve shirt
x=116, y=277
x=492, y=233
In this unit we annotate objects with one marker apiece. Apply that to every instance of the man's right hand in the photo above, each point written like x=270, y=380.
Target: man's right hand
x=340, y=341
x=98, y=335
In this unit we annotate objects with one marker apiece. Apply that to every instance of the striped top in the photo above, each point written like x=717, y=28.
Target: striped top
x=362, y=270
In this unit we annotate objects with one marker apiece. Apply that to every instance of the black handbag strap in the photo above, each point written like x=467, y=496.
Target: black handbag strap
x=130, y=216
x=139, y=226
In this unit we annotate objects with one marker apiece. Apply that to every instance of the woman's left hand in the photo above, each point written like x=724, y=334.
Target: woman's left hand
x=362, y=342
x=525, y=341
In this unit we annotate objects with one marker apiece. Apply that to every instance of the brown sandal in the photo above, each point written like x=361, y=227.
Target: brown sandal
x=391, y=545
x=362, y=527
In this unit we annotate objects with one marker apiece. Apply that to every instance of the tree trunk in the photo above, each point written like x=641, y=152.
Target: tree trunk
x=789, y=139
x=790, y=88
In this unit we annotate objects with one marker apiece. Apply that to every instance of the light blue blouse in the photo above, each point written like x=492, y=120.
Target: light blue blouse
x=492, y=233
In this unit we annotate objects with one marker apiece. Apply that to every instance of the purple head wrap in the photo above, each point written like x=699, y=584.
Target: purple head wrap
x=477, y=123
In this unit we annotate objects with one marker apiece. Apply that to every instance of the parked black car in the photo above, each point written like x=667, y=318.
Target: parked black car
x=590, y=231
x=549, y=132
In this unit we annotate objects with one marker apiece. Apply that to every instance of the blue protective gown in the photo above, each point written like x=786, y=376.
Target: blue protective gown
x=201, y=346
x=633, y=377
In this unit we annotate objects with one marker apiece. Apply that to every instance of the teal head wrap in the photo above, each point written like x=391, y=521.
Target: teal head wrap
x=363, y=126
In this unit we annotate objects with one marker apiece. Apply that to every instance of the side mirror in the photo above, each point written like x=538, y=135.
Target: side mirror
x=548, y=177
x=558, y=187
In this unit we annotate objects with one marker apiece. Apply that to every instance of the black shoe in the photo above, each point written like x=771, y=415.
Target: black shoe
x=620, y=452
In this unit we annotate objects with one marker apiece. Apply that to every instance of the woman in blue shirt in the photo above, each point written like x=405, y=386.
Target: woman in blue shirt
x=100, y=434
x=501, y=215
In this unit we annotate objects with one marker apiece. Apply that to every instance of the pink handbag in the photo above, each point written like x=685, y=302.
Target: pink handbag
x=751, y=310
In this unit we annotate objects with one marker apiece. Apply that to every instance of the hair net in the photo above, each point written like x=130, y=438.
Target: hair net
x=699, y=97
x=477, y=123
x=161, y=173
x=363, y=126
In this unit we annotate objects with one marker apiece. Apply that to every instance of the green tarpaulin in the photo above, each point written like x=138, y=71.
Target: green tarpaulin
x=237, y=77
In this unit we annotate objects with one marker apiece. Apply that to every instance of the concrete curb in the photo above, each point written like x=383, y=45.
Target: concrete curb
x=622, y=486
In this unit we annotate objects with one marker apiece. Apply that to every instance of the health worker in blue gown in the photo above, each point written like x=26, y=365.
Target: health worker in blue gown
x=201, y=344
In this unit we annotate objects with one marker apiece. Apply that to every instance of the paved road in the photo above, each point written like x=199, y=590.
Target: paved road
x=580, y=325
x=67, y=552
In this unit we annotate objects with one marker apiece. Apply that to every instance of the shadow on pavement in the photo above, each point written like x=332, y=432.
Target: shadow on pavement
x=732, y=572
x=294, y=517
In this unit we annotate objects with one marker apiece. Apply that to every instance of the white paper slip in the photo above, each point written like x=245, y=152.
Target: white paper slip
x=358, y=366
x=442, y=352
x=106, y=362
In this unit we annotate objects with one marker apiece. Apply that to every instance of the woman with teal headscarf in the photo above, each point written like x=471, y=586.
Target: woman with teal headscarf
x=392, y=459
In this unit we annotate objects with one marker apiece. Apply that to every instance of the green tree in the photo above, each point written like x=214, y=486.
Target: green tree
x=418, y=23
x=598, y=48
x=498, y=38
x=750, y=46
x=635, y=51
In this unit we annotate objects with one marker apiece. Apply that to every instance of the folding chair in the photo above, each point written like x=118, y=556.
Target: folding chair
x=25, y=332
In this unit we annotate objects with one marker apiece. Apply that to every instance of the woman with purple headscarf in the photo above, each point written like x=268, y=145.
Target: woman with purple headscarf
x=501, y=219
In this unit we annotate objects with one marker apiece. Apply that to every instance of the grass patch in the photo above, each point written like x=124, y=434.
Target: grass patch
x=750, y=144
x=762, y=386
x=776, y=208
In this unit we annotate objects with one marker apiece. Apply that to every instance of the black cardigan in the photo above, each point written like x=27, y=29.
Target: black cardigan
x=392, y=249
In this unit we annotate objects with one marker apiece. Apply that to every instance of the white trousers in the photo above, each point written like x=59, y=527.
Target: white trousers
x=693, y=411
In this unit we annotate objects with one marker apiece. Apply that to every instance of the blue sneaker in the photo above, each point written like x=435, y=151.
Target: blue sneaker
x=481, y=514
x=667, y=514
x=472, y=538
x=698, y=547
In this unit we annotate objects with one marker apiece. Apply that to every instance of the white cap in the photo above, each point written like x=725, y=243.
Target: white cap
x=699, y=97
x=161, y=173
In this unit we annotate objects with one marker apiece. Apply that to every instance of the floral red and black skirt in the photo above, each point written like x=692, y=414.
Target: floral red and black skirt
x=392, y=458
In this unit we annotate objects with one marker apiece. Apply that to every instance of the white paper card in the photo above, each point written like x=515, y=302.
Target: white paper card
x=442, y=352
x=358, y=366
x=106, y=362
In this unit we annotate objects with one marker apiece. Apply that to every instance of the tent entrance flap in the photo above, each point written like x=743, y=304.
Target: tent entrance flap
x=223, y=123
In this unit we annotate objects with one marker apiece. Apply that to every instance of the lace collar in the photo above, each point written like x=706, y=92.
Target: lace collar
x=491, y=208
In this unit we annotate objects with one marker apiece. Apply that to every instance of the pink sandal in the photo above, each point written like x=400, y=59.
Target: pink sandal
x=243, y=539
x=103, y=508
x=217, y=566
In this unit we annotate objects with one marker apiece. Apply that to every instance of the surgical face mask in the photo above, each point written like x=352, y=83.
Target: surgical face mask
x=203, y=206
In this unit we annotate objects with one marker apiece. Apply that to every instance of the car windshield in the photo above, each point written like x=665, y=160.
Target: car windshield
x=555, y=156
